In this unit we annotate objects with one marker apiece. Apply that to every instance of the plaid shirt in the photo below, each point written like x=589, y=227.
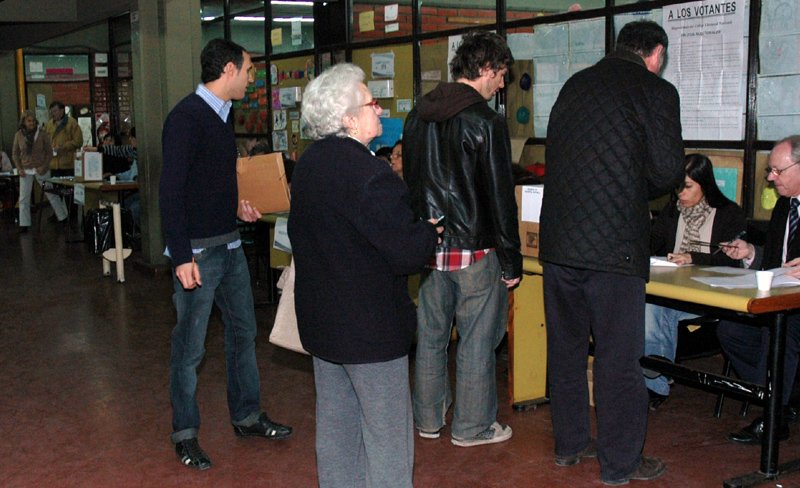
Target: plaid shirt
x=452, y=259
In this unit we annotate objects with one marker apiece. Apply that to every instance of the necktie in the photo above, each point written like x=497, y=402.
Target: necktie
x=794, y=219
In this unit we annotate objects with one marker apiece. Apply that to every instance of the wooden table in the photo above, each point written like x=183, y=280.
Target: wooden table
x=677, y=285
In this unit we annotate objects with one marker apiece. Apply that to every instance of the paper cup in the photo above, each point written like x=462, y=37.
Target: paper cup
x=15, y=171
x=764, y=280
x=112, y=179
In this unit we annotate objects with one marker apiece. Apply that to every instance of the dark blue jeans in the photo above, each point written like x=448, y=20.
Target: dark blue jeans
x=226, y=282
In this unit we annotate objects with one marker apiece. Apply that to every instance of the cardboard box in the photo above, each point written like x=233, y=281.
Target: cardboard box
x=92, y=167
x=529, y=206
x=262, y=181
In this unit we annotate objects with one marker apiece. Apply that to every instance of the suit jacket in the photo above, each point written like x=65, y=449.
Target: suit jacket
x=729, y=220
x=354, y=240
x=771, y=254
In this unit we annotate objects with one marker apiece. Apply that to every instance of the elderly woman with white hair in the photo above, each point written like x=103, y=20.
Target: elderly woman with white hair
x=355, y=240
x=31, y=154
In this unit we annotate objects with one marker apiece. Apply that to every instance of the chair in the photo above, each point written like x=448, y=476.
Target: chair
x=695, y=341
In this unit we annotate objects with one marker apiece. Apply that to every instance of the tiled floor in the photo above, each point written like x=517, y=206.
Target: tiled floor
x=83, y=397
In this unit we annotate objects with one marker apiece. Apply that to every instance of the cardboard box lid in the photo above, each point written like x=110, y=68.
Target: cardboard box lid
x=262, y=180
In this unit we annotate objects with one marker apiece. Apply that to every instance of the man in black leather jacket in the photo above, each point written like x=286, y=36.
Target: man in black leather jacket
x=457, y=164
x=613, y=143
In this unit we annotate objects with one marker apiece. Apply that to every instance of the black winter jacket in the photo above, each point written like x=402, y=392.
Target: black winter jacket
x=354, y=240
x=457, y=164
x=613, y=143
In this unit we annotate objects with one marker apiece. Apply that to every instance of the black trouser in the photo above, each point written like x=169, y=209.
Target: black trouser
x=610, y=307
x=747, y=346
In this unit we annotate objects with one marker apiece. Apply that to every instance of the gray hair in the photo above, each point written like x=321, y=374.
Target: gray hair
x=328, y=98
x=794, y=143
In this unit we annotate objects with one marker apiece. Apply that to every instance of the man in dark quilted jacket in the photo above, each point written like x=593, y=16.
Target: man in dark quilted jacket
x=613, y=143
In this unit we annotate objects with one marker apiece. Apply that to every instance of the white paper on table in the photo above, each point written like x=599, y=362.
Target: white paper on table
x=748, y=280
x=664, y=262
x=728, y=270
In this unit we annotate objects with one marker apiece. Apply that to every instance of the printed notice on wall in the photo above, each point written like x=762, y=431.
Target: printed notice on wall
x=705, y=65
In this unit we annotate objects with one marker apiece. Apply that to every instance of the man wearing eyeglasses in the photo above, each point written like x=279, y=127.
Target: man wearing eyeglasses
x=746, y=345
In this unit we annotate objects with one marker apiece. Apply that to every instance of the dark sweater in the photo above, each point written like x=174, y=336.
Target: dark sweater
x=354, y=240
x=198, y=193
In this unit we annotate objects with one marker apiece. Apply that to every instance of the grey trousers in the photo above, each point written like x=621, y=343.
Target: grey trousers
x=364, y=424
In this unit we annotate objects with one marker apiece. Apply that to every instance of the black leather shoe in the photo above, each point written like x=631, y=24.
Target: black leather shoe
x=590, y=451
x=656, y=400
x=190, y=454
x=753, y=433
x=264, y=427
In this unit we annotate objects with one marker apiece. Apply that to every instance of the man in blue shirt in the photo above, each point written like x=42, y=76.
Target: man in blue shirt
x=198, y=199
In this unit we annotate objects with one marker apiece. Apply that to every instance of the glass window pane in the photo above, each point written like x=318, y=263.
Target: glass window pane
x=247, y=30
x=525, y=9
x=211, y=9
x=292, y=27
x=549, y=56
x=255, y=7
x=378, y=20
x=779, y=70
x=440, y=15
x=212, y=30
x=56, y=67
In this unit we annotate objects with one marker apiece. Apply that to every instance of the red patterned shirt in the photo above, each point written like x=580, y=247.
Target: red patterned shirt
x=452, y=259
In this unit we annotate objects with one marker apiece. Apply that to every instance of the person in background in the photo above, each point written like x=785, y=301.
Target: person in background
x=199, y=207
x=385, y=153
x=355, y=240
x=31, y=154
x=128, y=151
x=747, y=345
x=396, y=158
x=699, y=212
x=458, y=167
x=613, y=143
x=66, y=137
x=5, y=162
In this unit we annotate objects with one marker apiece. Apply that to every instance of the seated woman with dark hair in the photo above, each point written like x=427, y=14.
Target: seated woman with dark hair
x=698, y=212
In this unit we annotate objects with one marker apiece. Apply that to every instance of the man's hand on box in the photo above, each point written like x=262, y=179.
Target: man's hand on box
x=247, y=212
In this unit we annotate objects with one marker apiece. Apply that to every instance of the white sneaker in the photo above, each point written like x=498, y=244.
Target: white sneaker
x=428, y=435
x=492, y=435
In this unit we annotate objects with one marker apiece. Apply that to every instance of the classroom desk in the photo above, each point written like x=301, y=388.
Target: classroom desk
x=676, y=285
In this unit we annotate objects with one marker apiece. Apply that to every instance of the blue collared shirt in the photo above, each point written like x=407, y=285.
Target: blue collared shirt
x=220, y=106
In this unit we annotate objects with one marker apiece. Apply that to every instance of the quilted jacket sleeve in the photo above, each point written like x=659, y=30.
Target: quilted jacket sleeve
x=665, y=142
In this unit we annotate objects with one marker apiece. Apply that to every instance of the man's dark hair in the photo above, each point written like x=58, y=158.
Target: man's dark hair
x=642, y=37
x=477, y=50
x=56, y=103
x=216, y=54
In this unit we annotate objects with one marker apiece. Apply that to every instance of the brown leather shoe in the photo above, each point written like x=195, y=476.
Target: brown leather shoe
x=649, y=469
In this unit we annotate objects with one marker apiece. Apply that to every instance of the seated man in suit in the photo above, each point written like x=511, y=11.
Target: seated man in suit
x=747, y=345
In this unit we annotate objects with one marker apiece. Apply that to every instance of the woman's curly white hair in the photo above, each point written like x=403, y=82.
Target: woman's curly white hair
x=328, y=98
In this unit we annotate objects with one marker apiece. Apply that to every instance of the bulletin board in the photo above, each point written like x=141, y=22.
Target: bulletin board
x=728, y=166
x=285, y=122
x=433, y=63
x=397, y=106
x=765, y=194
x=250, y=114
